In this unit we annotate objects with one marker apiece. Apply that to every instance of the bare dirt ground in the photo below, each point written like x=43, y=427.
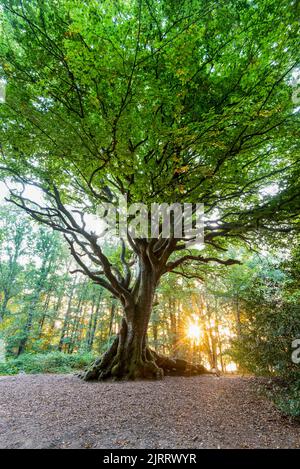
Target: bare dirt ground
x=61, y=411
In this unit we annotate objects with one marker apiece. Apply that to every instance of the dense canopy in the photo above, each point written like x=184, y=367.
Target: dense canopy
x=163, y=101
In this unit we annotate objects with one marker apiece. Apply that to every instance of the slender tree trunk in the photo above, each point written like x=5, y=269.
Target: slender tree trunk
x=29, y=319
x=94, y=324
x=90, y=325
x=76, y=325
x=55, y=314
x=214, y=360
x=26, y=332
x=44, y=315
x=3, y=307
x=111, y=316
x=72, y=334
x=172, y=312
x=40, y=287
x=67, y=317
x=238, y=317
x=221, y=353
x=155, y=334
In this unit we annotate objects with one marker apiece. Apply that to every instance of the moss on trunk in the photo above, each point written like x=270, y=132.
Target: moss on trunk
x=129, y=358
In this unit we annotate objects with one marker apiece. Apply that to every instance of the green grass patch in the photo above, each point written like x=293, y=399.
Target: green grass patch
x=54, y=362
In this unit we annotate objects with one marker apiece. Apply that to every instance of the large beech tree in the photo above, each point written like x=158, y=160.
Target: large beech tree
x=161, y=101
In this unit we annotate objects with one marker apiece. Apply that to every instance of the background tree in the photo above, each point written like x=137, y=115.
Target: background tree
x=47, y=249
x=269, y=320
x=13, y=238
x=162, y=103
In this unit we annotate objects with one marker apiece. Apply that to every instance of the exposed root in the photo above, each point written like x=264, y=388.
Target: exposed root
x=179, y=367
x=113, y=365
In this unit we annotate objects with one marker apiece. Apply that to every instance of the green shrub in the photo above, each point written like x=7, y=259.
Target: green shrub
x=54, y=362
x=288, y=401
x=8, y=368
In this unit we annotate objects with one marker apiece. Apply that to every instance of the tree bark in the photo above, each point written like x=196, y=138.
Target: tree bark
x=129, y=356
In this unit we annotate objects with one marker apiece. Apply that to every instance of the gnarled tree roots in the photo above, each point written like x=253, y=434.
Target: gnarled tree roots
x=134, y=365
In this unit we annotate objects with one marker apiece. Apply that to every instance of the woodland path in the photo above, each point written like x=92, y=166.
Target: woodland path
x=61, y=411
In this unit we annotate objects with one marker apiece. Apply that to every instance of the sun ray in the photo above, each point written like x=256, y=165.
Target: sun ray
x=194, y=332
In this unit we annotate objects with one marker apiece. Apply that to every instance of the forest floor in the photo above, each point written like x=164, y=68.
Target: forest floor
x=61, y=411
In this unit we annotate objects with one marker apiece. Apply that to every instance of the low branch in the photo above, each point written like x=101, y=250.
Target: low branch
x=170, y=266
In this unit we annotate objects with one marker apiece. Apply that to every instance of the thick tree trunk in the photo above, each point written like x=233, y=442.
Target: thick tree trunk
x=129, y=357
